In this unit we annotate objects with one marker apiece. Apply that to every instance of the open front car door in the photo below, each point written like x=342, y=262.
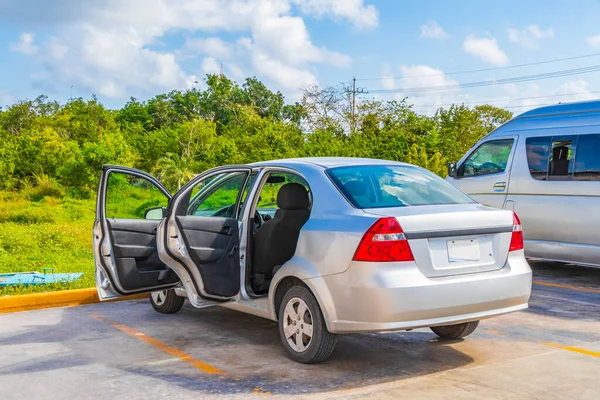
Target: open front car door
x=199, y=238
x=129, y=207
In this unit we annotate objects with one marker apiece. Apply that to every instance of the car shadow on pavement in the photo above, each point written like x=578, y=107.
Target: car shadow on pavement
x=246, y=348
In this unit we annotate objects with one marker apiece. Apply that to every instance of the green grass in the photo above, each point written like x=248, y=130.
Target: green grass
x=48, y=233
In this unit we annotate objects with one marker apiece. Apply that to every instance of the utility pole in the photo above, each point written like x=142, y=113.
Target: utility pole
x=354, y=92
x=71, y=93
x=221, y=72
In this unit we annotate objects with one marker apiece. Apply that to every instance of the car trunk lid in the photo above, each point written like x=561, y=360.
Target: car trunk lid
x=457, y=239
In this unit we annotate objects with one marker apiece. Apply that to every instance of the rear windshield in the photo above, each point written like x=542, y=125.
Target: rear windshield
x=380, y=186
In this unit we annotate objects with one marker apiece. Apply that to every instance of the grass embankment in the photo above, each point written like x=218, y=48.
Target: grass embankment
x=46, y=232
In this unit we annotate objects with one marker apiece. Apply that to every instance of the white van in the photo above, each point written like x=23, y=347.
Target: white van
x=545, y=165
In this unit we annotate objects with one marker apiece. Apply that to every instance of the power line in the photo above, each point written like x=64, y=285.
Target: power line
x=494, y=82
x=503, y=99
x=482, y=70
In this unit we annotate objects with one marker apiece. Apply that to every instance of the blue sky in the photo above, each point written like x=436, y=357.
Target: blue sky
x=122, y=48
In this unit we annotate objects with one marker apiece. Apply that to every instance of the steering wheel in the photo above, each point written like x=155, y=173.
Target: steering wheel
x=489, y=165
x=229, y=211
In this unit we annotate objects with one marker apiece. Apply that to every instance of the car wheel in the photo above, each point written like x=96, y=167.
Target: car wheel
x=302, y=327
x=452, y=332
x=166, y=301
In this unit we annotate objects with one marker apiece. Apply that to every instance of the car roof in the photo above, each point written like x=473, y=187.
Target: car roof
x=582, y=117
x=562, y=108
x=327, y=162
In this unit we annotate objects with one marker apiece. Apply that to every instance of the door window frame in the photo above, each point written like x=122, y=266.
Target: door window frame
x=107, y=277
x=247, y=215
x=192, y=281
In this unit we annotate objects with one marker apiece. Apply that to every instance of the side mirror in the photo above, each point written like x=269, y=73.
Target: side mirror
x=155, y=213
x=452, y=170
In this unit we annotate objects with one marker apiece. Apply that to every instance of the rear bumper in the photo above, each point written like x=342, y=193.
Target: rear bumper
x=372, y=297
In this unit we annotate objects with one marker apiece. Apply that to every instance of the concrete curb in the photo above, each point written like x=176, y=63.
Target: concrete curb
x=63, y=298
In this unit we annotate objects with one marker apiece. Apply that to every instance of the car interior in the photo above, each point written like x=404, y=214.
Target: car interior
x=559, y=166
x=274, y=239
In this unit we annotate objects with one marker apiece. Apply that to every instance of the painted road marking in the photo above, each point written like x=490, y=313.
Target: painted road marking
x=558, y=285
x=571, y=348
x=555, y=345
x=183, y=356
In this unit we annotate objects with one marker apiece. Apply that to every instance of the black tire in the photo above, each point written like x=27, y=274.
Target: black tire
x=453, y=332
x=322, y=343
x=167, y=303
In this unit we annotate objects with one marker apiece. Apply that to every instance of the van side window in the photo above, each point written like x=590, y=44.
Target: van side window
x=490, y=158
x=561, y=155
x=537, y=156
x=587, y=159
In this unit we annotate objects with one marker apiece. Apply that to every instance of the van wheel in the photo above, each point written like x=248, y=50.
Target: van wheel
x=302, y=327
x=452, y=332
x=166, y=301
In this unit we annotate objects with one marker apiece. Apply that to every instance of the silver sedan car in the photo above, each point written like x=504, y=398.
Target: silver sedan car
x=324, y=246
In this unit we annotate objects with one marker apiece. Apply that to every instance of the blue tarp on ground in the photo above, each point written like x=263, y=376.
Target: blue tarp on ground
x=36, y=278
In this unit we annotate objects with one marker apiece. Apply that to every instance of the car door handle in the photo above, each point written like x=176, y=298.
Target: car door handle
x=226, y=230
x=500, y=185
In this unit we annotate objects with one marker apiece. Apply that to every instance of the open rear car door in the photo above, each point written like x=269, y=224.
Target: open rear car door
x=199, y=238
x=129, y=206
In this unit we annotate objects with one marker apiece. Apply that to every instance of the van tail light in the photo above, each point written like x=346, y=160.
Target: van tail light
x=384, y=241
x=516, y=241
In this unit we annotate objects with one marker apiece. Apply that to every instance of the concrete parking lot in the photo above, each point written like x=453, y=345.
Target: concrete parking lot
x=127, y=350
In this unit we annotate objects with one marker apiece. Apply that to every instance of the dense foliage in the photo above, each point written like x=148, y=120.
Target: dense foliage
x=60, y=148
x=51, y=154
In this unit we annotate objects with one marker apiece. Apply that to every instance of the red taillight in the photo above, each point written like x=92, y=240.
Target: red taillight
x=384, y=241
x=516, y=241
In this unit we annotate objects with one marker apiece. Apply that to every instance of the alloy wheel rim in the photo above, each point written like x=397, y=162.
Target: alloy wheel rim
x=297, y=324
x=159, y=297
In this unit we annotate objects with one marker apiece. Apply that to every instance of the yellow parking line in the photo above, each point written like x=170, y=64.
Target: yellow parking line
x=558, y=285
x=183, y=356
x=573, y=349
x=556, y=345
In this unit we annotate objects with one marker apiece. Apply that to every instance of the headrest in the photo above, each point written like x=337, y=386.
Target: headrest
x=560, y=153
x=358, y=188
x=292, y=196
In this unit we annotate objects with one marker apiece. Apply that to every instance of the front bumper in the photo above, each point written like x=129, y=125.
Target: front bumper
x=372, y=297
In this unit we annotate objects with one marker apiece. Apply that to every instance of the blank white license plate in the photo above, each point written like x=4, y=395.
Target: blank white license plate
x=463, y=250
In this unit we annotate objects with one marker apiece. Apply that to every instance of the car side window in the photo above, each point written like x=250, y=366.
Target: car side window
x=133, y=197
x=561, y=157
x=538, y=149
x=217, y=195
x=489, y=158
x=587, y=161
x=267, y=203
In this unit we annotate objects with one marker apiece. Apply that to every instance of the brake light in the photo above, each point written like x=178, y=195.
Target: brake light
x=516, y=241
x=384, y=241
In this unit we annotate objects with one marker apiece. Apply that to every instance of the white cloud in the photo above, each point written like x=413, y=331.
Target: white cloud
x=574, y=91
x=25, y=44
x=114, y=47
x=419, y=76
x=212, y=46
x=433, y=30
x=529, y=96
x=593, y=41
x=530, y=36
x=486, y=49
x=210, y=66
x=355, y=11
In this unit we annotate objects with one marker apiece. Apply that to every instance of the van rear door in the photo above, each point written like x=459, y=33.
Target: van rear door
x=484, y=173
